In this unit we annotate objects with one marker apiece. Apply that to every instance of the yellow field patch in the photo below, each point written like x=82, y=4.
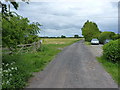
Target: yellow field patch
x=59, y=40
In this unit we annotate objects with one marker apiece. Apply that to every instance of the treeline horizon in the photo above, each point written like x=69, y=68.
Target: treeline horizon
x=62, y=36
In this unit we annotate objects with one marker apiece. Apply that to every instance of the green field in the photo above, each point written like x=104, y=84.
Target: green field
x=18, y=68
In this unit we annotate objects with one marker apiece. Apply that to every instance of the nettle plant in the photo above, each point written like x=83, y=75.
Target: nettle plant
x=15, y=71
x=8, y=73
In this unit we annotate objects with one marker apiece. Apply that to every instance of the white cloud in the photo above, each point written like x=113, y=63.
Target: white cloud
x=70, y=16
x=73, y=0
x=53, y=32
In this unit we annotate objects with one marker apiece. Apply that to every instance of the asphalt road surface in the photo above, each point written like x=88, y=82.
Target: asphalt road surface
x=74, y=67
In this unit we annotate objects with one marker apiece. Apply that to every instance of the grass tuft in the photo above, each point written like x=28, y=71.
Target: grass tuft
x=87, y=43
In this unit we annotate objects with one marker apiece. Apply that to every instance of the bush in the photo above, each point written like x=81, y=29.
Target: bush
x=18, y=68
x=111, y=50
x=116, y=36
x=14, y=75
x=105, y=35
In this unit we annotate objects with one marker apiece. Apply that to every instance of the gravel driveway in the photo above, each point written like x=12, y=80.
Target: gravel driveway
x=96, y=50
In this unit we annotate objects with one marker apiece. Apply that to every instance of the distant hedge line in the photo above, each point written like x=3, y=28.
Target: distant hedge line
x=111, y=50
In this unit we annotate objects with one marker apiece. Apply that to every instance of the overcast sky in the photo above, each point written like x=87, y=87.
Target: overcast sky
x=67, y=18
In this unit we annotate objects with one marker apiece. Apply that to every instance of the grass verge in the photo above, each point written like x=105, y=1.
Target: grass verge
x=18, y=68
x=111, y=68
x=87, y=43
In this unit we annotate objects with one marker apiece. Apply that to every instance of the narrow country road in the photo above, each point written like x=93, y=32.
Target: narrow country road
x=74, y=67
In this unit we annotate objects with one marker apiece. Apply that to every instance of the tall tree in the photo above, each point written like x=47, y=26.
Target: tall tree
x=76, y=36
x=90, y=30
x=16, y=29
x=62, y=36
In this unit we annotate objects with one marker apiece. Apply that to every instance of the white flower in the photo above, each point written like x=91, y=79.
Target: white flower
x=5, y=70
x=10, y=74
x=12, y=68
x=15, y=68
x=10, y=79
x=9, y=70
x=12, y=63
x=7, y=64
x=7, y=82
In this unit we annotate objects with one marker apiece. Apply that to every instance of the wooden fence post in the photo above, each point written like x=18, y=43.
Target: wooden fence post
x=34, y=47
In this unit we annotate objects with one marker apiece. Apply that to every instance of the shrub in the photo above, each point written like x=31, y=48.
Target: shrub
x=105, y=35
x=14, y=75
x=111, y=50
x=116, y=36
x=18, y=68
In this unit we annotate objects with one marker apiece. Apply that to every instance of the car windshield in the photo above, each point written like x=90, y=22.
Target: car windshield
x=94, y=39
x=107, y=39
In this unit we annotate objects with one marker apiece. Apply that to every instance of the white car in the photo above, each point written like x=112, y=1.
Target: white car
x=95, y=41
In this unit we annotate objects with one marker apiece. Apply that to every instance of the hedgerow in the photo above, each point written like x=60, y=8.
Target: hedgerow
x=111, y=50
x=105, y=35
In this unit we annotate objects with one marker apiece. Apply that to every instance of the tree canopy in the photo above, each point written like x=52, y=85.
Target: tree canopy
x=90, y=30
x=76, y=36
x=62, y=36
x=106, y=35
x=18, y=31
x=5, y=10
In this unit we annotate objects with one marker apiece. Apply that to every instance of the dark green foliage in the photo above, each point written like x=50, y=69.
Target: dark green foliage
x=15, y=4
x=76, y=36
x=111, y=50
x=14, y=73
x=62, y=36
x=31, y=39
x=18, y=31
x=90, y=30
x=17, y=68
x=5, y=11
x=116, y=36
x=105, y=35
